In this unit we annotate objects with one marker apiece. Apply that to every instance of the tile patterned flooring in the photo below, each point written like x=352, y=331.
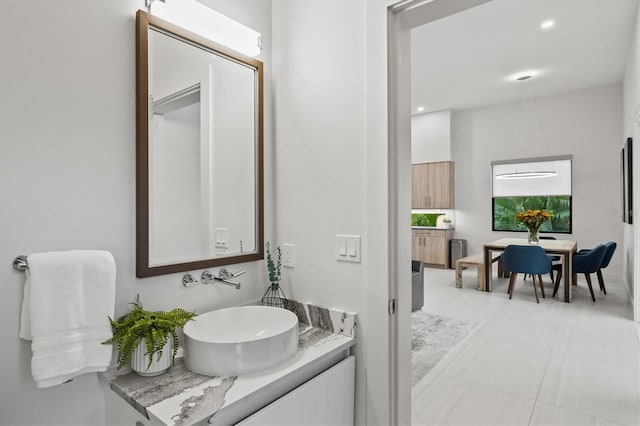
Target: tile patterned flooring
x=551, y=363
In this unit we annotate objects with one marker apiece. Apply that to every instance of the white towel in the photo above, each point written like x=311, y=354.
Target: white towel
x=68, y=296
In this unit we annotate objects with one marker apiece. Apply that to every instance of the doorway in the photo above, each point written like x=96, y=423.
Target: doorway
x=401, y=21
x=403, y=16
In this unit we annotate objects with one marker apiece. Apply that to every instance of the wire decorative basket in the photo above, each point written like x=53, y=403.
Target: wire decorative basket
x=274, y=296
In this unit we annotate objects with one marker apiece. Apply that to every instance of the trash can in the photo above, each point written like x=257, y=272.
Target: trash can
x=457, y=250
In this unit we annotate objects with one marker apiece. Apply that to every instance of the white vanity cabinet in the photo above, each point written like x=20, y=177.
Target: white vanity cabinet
x=326, y=399
x=315, y=387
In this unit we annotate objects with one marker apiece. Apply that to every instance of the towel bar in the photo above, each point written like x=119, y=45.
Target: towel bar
x=20, y=263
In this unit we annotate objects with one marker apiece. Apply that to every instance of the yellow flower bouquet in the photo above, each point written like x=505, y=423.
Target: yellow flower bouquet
x=533, y=219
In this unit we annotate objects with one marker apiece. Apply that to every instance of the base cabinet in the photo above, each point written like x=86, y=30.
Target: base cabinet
x=327, y=399
x=431, y=246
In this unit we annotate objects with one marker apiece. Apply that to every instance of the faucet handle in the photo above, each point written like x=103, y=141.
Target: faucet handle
x=206, y=277
x=227, y=274
x=189, y=281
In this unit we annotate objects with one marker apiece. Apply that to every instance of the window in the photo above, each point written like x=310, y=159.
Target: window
x=534, y=183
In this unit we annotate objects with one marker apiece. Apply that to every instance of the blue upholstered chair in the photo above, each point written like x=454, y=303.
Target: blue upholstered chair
x=586, y=262
x=528, y=260
x=553, y=258
x=611, y=248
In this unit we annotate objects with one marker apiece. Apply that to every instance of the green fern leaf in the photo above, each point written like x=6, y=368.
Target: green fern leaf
x=155, y=327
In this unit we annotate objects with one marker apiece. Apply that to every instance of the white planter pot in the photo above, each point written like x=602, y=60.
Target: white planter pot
x=140, y=361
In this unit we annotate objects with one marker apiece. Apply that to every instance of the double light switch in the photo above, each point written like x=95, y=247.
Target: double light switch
x=222, y=237
x=348, y=247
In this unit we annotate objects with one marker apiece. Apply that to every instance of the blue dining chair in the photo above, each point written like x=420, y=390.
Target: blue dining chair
x=553, y=258
x=528, y=260
x=611, y=248
x=587, y=263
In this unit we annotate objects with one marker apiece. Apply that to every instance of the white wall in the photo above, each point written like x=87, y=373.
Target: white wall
x=319, y=91
x=325, y=163
x=631, y=105
x=431, y=137
x=330, y=104
x=68, y=165
x=585, y=123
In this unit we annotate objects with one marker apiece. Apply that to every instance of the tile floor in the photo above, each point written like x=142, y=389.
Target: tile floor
x=551, y=363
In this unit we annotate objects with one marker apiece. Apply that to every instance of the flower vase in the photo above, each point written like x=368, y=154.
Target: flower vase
x=533, y=236
x=274, y=296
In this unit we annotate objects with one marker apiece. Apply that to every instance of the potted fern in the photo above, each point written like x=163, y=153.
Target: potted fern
x=141, y=334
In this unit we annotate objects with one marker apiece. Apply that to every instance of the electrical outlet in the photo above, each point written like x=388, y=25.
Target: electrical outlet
x=288, y=255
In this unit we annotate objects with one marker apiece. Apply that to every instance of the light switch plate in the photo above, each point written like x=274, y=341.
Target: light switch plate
x=348, y=248
x=288, y=255
x=222, y=237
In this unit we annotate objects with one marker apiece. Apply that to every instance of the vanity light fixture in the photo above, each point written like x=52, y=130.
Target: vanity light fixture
x=206, y=22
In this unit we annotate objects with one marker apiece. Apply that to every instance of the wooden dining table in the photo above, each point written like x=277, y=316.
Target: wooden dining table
x=563, y=248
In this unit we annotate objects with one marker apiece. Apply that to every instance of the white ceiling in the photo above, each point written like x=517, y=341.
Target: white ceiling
x=465, y=60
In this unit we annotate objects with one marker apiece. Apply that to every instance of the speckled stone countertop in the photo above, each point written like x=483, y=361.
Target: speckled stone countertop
x=181, y=397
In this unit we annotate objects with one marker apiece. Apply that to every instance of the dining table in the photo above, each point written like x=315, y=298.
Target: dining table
x=562, y=248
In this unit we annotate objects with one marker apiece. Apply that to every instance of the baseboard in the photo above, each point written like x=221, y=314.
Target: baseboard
x=633, y=308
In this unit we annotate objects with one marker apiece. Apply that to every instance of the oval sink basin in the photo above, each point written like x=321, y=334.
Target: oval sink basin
x=240, y=340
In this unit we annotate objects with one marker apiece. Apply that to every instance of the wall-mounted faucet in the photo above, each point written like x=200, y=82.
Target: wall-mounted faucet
x=223, y=277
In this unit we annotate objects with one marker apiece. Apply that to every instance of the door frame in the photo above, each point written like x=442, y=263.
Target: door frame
x=401, y=18
x=635, y=285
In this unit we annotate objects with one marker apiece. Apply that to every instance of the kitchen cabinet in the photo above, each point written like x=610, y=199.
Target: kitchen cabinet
x=431, y=246
x=433, y=185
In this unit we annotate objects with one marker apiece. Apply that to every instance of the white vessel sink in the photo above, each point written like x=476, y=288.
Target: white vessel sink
x=240, y=340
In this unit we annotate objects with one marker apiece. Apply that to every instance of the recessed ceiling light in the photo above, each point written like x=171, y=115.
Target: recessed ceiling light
x=524, y=75
x=420, y=108
x=548, y=24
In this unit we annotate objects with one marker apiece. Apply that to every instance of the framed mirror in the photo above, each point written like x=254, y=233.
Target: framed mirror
x=199, y=152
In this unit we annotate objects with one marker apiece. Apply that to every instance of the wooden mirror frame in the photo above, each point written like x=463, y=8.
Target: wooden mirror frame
x=143, y=23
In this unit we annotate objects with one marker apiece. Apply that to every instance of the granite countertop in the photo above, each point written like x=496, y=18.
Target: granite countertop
x=182, y=397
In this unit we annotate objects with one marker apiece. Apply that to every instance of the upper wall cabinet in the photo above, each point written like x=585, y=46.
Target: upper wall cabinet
x=432, y=185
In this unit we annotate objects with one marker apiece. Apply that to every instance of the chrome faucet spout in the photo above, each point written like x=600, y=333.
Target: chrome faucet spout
x=223, y=277
x=226, y=281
